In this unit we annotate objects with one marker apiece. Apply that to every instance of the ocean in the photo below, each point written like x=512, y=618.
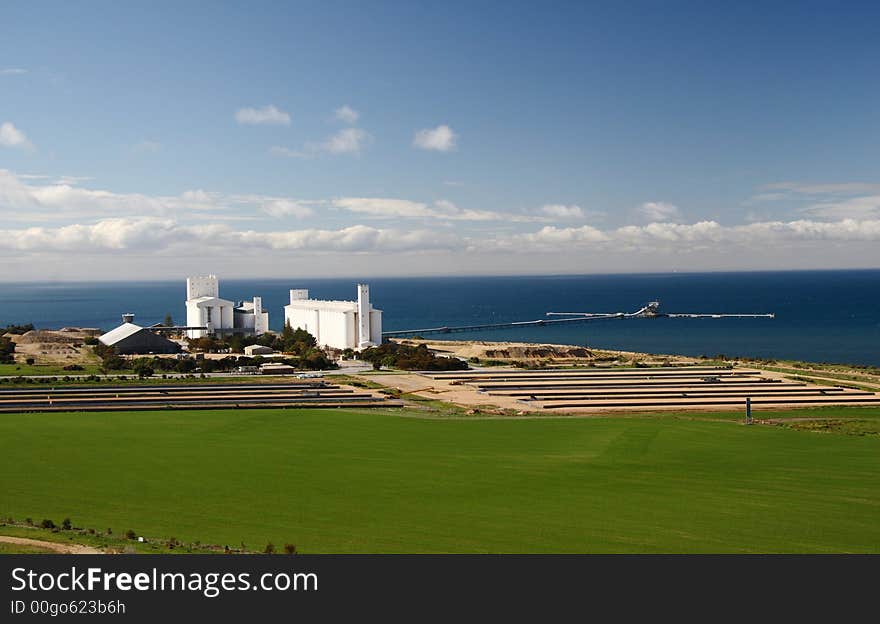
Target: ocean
x=821, y=316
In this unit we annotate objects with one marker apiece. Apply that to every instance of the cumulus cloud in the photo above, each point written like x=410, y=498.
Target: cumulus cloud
x=161, y=235
x=10, y=136
x=831, y=201
x=440, y=139
x=47, y=217
x=659, y=211
x=807, y=188
x=287, y=208
x=381, y=207
x=346, y=114
x=259, y=116
x=280, y=150
x=560, y=211
x=346, y=141
x=61, y=200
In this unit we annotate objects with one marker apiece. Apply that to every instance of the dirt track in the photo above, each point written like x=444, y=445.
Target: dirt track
x=61, y=549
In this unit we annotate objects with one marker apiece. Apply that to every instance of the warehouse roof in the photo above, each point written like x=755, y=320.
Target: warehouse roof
x=120, y=333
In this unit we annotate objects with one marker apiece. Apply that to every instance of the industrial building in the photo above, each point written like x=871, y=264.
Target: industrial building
x=207, y=313
x=128, y=339
x=337, y=324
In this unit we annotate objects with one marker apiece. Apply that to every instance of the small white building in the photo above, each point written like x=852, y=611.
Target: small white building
x=337, y=324
x=258, y=350
x=205, y=308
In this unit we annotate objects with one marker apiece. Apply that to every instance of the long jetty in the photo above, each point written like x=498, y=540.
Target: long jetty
x=651, y=310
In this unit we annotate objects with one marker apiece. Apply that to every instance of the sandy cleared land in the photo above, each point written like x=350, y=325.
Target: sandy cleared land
x=63, y=549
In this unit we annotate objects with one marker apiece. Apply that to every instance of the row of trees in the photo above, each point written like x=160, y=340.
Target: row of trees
x=407, y=357
x=7, y=349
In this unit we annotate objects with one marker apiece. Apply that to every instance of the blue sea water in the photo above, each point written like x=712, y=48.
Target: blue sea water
x=823, y=316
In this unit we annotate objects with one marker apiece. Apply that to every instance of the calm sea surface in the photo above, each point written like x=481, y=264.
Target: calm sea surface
x=830, y=316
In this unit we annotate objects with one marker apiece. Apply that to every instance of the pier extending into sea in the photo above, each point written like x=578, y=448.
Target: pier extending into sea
x=650, y=310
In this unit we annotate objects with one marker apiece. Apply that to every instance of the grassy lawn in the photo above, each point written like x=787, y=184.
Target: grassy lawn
x=362, y=481
x=45, y=369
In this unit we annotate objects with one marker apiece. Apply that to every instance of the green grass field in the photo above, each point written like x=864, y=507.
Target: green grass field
x=21, y=368
x=371, y=481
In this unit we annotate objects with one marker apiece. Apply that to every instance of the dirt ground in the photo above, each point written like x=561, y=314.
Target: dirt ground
x=63, y=549
x=555, y=354
x=52, y=347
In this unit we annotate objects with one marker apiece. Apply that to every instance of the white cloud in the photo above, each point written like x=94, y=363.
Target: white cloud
x=10, y=136
x=383, y=207
x=562, y=212
x=47, y=221
x=833, y=201
x=279, y=150
x=441, y=139
x=659, y=211
x=844, y=188
x=380, y=207
x=287, y=208
x=167, y=235
x=265, y=115
x=346, y=114
x=12, y=71
x=865, y=207
x=346, y=141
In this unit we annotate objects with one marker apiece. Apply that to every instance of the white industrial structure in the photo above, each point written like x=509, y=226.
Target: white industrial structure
x=205, y=309
x=338, y=324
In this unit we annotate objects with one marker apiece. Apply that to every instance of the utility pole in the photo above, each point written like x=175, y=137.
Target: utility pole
x=748, y=410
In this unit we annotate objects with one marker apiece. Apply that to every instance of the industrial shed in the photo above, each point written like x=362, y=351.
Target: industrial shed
x=129, y=338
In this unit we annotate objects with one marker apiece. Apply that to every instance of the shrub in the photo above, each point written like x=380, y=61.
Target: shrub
x=270, y=549
x=29, y=361
x=130, y=534
x=143, y=368
x=65, y=524
x=47, y=524
x=290, y=549
x=29, y=521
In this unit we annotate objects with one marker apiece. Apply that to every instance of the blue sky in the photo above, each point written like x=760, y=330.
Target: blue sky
x=332, y=138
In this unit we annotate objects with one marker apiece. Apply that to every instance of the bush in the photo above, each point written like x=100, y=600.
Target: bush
x=65, y=524
x=289, y=549
x=407, y=357
x=143, y=369
x=47, y=524
x=270, y=549
x=29, y=361
x=130, y=534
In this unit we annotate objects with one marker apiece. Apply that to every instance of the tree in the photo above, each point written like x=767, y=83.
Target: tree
x=7, y=348
x=270, y=549
x=168, y=322
x=143, y=368
x=65, y=524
